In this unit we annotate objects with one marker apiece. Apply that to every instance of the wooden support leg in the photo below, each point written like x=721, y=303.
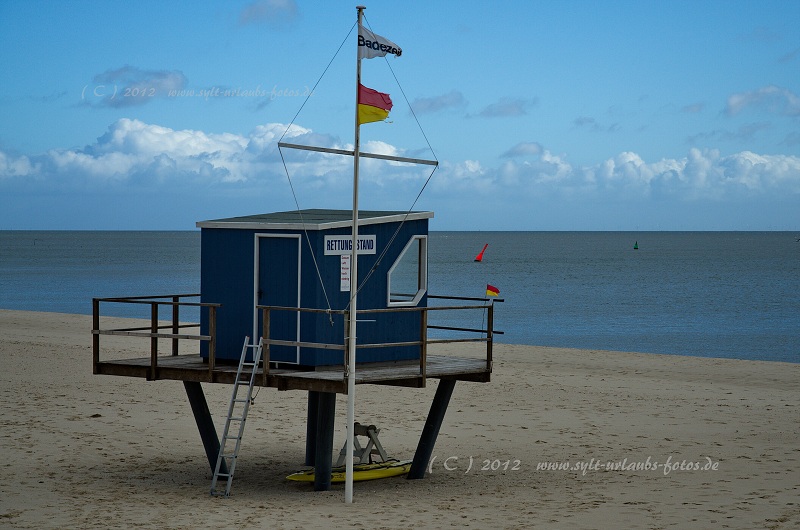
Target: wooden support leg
x=324, y=444
x=202, y=416
x=431, y=430
x=311, y=427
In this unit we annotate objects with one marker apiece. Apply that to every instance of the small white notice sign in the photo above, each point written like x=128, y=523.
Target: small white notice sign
x=344, y=284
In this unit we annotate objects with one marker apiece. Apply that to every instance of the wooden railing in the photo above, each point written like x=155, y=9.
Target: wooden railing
x=153, y=331
x=487, y=334
x=156, y=329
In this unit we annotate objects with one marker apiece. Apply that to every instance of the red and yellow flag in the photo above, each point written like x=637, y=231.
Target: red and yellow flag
x=491, y=290
x=372, y=105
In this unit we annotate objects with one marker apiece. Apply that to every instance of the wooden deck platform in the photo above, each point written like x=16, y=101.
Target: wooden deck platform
x=194, y=368
x=208, y=369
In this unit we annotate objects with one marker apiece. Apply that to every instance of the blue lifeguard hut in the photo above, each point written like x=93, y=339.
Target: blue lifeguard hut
x=301, y=259
x=285, y=277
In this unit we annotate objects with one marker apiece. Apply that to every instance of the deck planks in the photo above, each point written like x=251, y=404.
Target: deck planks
x=193, y=368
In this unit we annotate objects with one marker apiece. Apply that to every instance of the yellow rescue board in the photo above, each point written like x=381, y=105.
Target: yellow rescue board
x=360, y=472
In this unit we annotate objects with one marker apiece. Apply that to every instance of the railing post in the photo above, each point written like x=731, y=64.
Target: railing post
x=489, y=334
x=175, y=318
x=423, y=348
x=346, y=344
x=265, y=342
x=95, y=335
x=153, y=340
x=212, y=343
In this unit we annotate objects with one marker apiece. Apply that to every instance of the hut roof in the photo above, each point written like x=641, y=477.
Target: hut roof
x=313, y=219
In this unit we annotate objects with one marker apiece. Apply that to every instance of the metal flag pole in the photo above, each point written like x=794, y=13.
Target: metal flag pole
x=351, y=340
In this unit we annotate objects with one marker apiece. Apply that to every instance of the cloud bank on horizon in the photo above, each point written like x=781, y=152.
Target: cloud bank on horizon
x=133, y=155
x=142, y=172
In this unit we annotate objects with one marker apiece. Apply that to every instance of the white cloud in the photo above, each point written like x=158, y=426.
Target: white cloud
x=379, y=148
x=701, y=175
x=114, y=165
x=146, y=140
x=703, y=190
x=773, y=99
x=132, y=149
x=467, y=176
x=523, y=149
x=763, y=172
x=12, y=166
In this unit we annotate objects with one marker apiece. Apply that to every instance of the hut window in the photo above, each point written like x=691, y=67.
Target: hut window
x=408, y=276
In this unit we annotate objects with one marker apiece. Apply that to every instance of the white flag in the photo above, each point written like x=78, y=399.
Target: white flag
x=371, y=45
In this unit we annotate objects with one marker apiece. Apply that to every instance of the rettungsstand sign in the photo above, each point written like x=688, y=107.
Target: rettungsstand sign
x=339, y=245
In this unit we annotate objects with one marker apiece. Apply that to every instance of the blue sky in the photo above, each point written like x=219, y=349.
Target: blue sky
x=568, y=115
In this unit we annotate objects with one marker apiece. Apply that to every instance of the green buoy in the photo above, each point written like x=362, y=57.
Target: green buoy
x=636, y=246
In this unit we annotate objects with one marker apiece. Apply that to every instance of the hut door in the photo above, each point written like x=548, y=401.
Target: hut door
x=278, y=284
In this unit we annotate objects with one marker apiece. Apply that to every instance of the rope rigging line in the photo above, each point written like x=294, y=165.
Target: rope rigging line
x=407, y=103
x=289, y=178
x=317, y=83
x=416, y=199
x=378, y=261
x=308, y=240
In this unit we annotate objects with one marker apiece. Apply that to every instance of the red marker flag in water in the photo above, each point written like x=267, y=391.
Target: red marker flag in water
x=372, y=105
x=479, y=257
x=491, y=290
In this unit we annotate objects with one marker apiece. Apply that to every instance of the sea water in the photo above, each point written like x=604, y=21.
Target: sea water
x=709, y=294
x=61, y=271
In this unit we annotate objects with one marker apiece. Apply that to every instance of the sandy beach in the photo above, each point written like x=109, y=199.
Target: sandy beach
x=559, y=439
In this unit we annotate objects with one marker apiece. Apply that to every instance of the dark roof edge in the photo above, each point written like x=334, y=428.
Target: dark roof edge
x=275, y=223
